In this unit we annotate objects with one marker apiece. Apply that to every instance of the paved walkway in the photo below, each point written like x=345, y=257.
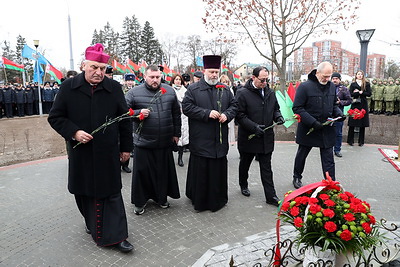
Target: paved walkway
x=41, y=226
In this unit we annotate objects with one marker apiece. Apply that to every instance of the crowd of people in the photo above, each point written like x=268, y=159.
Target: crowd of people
x=172, y=116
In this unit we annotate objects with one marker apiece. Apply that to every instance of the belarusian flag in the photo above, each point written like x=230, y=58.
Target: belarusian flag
x=192, y=71
x=166, y=71
x=143, y=66
x=132, y=65
x=119, y=67
x=224, y=68
x=8, y=64
x=55, y=73
x=236, y=77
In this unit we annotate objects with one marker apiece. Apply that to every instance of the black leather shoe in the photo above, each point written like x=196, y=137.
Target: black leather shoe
x=273, y=201
x=350, y=144
x=297, y=183
x=124, y=246
x=245, y=191
x=87, y=231
x=126, y=169
x=361, y=144
x=338, y=154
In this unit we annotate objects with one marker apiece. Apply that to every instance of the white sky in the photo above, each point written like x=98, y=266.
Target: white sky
x=47, y=21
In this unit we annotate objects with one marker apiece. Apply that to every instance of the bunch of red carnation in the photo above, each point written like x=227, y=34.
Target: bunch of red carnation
x=332, y=219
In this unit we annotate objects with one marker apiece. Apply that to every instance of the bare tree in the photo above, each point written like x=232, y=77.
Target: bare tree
x=227, y=49
x=194, y=48
x=281, y=26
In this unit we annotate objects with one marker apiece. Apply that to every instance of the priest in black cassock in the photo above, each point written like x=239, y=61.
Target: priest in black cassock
x=210, y=106
x=83, y=103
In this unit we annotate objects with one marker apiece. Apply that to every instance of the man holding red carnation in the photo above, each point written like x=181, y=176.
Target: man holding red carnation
x=84, y=103
x=315, y=102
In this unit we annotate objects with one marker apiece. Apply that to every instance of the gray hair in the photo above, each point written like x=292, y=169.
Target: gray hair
x=323, y=65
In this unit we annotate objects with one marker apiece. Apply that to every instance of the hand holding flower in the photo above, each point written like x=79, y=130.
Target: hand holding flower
x=214, y=114
x=222, y=118
x=82, y=136
x=145, y=112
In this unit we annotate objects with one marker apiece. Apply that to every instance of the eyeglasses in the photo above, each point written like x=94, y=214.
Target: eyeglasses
x=263, y=80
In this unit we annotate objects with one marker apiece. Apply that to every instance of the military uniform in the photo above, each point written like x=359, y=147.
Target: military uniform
x=378, y=97
x=389, y=97
x=371, y=102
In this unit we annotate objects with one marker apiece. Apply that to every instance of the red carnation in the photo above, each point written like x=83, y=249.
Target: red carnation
x=163, y=90
x=285, y=206
x=344, y=197
x=350, y=195
x=323, y=196
x=141, y=116
x=346, y=235
x=298, y=222
x=312, y=200
x=371, y=219
x=131, y=112
x=328, y=213
x=219, y=86
x=330, y=227
x=349, y=217
x=314, y=208
x=297, y=117
x=367, y=227
x=329, y=203
x=295, y=211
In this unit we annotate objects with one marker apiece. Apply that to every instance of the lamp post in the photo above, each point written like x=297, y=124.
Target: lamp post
x=364, y=36
x=36, y=44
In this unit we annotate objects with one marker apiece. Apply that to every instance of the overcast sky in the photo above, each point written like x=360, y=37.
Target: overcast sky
x=47, y=21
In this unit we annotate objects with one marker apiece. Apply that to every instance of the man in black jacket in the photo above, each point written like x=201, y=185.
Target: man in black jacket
x=316, y=102
x=258, y=108
x=156, y=126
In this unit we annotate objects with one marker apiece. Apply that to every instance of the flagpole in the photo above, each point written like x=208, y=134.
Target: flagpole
x=37, y=67
x=5, y=73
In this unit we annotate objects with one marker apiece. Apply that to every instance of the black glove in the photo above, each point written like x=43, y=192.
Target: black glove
x=317, y=125
x=280, y=120
x=343, y=118
x=259, y=130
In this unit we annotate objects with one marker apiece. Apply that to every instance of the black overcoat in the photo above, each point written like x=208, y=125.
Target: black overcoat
x=94, y=167
x=364, y=122
x=204, y=132
x=314, y=102
x=253, y=110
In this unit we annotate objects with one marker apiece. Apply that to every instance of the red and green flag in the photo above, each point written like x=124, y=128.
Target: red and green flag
x=143, y=66
x=236, y=77
x=55, y=73
x=224, y=68
x=8, y=64
x=118, y=66
x=132, y=65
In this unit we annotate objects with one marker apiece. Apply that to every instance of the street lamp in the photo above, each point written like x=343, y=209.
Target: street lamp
x=364, y=36
x=36, y=44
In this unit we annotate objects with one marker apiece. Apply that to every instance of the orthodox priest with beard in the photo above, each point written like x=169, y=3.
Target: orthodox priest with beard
x=210, y=106
x=83, y=103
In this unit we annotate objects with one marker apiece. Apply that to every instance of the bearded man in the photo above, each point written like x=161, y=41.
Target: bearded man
x=210, y=106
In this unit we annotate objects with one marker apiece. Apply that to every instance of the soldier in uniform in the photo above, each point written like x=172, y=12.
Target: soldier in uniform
x=109, y=72
x=378, y=97
x=389, y=97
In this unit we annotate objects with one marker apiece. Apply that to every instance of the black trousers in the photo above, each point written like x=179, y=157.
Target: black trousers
x=264, y=162
x=361, y=135
x=326, y=154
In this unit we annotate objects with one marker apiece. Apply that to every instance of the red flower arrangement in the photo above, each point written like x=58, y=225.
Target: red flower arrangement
x=327, y=216
x=126, y=115
x=356, y=114
x=295, y=117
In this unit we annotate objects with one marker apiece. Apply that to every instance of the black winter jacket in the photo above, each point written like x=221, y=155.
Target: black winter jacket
x=315, y=102
x=164, y=121
x=256, y=110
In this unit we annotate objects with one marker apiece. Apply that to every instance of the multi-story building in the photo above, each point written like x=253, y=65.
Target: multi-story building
x=343, y=61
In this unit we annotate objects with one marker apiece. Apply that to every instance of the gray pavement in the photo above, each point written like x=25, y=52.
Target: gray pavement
x=41, y=226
